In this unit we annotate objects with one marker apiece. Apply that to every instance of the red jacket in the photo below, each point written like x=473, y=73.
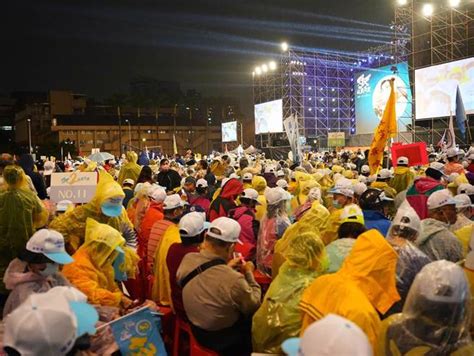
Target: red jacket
x=225, y=202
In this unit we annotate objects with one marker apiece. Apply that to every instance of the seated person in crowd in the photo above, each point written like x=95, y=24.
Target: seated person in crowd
x=218, y=300
x=37, y=268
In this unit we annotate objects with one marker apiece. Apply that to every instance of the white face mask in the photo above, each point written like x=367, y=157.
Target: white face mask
x=51, y=268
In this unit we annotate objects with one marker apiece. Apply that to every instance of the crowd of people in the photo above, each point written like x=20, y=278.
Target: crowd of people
x=317, y=257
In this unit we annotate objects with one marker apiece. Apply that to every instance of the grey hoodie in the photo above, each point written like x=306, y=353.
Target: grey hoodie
x=438, y=242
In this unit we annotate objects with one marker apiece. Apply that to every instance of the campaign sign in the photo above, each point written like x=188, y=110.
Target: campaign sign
x=78, y=187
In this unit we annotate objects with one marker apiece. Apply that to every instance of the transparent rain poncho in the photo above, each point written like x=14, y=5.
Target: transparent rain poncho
x=279, y=318
x=435, y=318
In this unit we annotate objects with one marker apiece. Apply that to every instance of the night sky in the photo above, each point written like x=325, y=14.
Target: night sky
x=96, y=47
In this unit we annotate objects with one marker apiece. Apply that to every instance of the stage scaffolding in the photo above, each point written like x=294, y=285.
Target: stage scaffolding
x=447, y=35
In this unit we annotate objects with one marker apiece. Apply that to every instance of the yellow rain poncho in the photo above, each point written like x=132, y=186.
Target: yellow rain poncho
x=332, y=226
x=279, y=318
x=364, y=285
x=403, y=177
x=389, y=191
x=260, y=184
x=161, y=292
x=21, y=213
x=304, y=186
x=92, y=271
x=130, y=169
x=72, y=224
x=436, y=316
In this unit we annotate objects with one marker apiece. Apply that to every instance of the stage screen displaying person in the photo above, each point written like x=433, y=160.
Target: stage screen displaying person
x=372, y=89
x=269, y=117
x=229, y=131
x=436, y=87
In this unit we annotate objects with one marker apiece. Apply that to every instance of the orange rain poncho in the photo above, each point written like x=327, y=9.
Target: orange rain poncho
x=92, y=271
x=365, y=284
x=130, y=169
x=72, y=224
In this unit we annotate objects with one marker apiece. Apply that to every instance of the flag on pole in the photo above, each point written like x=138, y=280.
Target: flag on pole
x=451, y=141
x=175, y=146
x=387, y=128
x=460, y=113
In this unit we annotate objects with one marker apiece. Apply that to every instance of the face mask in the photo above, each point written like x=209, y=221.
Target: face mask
x=51, y=268
x=336, y=204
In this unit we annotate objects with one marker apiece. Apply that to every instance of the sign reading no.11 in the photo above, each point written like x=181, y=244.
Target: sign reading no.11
x=78, y=187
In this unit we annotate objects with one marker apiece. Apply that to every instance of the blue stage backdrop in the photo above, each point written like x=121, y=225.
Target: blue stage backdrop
x=372, y=92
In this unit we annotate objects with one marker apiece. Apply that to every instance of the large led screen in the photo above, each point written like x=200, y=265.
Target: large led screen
x=269, y=117
x=436, y=87
x=229, y=131
x=372, y=89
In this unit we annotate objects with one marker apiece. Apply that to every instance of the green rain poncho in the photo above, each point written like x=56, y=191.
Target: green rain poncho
x=279, y=317
x=21, y=213
x=130, y=169
x=72, y=224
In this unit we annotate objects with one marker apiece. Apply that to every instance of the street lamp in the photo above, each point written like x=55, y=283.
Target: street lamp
x=129, y=133
x=29, y=136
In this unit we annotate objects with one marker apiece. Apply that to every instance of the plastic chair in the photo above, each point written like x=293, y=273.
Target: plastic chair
x=194, y=348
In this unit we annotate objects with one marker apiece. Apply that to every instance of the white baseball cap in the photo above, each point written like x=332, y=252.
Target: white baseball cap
x=280, y=173
x=63, y=205
x=402, y=160
x=157, y=194
x=332, y=335
x=48, y=324
x=201, y=183
x=365, y=169
x=359, y=188
x=193, y=224
x=251, y=194
x=344, y=187
x=463, y=201
x=465, y=188
x=128, y=181
x=439, y=199
x=48, y=168
x=276, y=195
x=172, y=202
x=384, y=174
x=225, y=229
x=51, y=244
x=282, y=183
x=452, y=152
x=269, y=169
x=406, y=216
x=247, y=176
x=437, y=166
x=234, y=175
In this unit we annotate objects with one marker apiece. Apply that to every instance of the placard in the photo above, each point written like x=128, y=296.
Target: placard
x=78, y=187
x=415, y=152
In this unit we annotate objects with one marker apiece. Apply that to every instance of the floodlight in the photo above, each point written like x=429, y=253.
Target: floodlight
x=253, y=74
x=427, y=10
x=272, y=65
x=264, y=68
x=454, y=3
x=258, y=70
x=284, y=46
x=402, y=2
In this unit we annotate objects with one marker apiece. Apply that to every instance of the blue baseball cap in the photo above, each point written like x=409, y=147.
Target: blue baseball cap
x=86, y=317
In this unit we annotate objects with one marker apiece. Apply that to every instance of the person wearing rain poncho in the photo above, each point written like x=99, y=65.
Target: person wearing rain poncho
x=435, y=240
x=272, y=227
x=304, y=188
x=21, y=213
x=105, y=207
x=312, y=219
x=463, y=227
x=403, y=176
x=130, y=169
x=279, y=318
x=362, y=288
x=260, y=185
x=435, y=318
x=102, y=260
x=405, y=229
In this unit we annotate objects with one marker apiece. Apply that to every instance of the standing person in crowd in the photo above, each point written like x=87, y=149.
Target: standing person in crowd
x=127, y=187
x=130, y=168
x=36, y=270
x=218, y=300
x=272, y=227
x=249, y=225
x=247, y=180
x=383, y=178
x=168, y=178
x=21, y=213
x=418, y=193
x=189, y=188
x=453, y=165
x=435, y=318
x=435, y=239
x=225, y=201
x=403, y=176
x=364, y=287
x=374, y=204
x=464, y=208
x=146, y=175
x=191, y=231
x=27, y=163
x=202, y=199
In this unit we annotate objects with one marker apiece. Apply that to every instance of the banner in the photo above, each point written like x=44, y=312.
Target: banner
x=336, y=139
x=460, y=114
x=415, y=152
x=78, y=187
x=137, y=334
